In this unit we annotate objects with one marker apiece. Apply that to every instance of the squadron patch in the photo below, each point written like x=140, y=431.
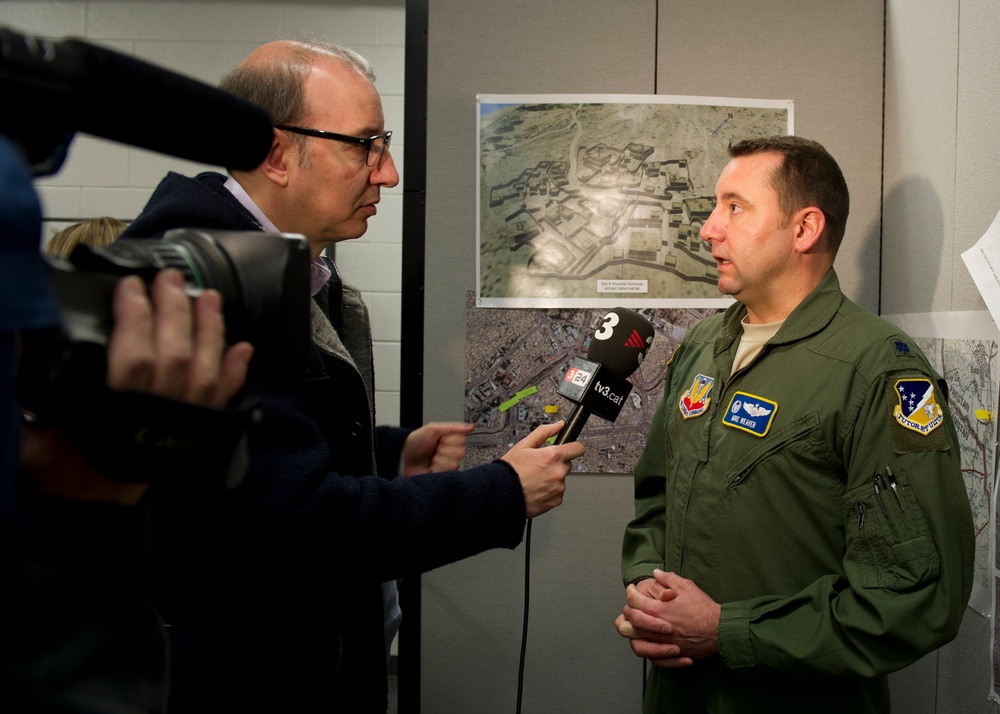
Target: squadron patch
x=750, y=413
x=695, y=401
x=917, y=409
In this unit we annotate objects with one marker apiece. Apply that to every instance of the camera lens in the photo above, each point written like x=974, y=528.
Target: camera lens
x=263, y=279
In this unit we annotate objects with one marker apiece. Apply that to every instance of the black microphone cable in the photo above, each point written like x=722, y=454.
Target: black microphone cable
x=624, y=355
x=524, y=625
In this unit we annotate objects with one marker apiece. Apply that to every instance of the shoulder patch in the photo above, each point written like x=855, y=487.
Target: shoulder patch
x=695, y=400
x=916, y=407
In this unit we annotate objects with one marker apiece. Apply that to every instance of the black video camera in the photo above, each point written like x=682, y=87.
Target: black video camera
x=263, y=279
x=64, y=86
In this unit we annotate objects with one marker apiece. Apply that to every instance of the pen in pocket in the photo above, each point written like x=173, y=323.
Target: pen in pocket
x=892, y=485
x=879, y=488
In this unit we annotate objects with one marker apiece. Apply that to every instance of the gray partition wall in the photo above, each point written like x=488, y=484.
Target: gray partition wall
x=828, y=58
x=941, y=193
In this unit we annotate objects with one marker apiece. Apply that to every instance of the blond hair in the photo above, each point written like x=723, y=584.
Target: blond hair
x=95, y=232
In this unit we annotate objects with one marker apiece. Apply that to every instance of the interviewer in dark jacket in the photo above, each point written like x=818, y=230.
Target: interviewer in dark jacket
x=274, y=595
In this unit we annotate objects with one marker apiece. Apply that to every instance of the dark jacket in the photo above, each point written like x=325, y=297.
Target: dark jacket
x=272, y=590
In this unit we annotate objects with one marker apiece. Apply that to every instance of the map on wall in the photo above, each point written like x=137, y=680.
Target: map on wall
x=962, y=348
x=598, y=200
x=970, y=367
x=515, y=359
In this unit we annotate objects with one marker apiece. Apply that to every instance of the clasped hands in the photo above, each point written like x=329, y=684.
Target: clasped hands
x=669, y=620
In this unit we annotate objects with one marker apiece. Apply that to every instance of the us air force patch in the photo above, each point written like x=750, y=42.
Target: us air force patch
x=695, y=400
x=917, y=409
x=750, y=413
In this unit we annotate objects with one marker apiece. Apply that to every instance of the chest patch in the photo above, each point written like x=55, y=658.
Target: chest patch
x=917, y=409
x=695, y=401
x=750, y=413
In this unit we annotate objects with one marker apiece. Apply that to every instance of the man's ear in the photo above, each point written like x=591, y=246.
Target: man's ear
x=275, y=165
x=810, y=224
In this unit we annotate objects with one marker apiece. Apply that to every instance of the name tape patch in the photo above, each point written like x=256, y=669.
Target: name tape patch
x=750, y=413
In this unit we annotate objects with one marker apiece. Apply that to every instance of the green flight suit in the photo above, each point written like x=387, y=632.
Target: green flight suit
x=760, y=488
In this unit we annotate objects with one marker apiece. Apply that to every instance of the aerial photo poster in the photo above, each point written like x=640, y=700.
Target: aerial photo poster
x=593, y=201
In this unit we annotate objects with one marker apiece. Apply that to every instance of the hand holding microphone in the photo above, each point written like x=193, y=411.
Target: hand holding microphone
x=597, y=385
x=542, y=472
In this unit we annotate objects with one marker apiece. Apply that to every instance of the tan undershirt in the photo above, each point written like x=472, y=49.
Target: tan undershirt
x=752, y=342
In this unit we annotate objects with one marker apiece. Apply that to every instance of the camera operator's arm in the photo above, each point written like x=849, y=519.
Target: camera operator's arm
x=55, y=468
x=165, y=346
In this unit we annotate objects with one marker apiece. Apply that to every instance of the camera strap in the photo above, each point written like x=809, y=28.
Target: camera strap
x=129, y=436
x=140, y=437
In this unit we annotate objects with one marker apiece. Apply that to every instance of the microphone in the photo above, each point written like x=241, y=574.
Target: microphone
x=55, y=88
x=599, y=384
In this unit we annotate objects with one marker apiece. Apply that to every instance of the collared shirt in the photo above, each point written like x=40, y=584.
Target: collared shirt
x=319, y=271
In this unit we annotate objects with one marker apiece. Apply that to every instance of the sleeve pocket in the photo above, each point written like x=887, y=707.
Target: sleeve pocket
x=888, y=542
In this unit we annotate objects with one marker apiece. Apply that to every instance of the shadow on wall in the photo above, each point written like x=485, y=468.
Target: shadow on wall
x=912, y=248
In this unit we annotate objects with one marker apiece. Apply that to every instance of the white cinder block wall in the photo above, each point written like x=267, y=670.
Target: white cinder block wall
x=204, y=39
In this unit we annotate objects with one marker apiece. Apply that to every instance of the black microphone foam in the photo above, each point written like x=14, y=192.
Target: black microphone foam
x=76, y=86
x=599, y=385
x=621, y=342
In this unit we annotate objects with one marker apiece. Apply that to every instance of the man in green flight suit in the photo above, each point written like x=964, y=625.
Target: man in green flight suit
x=802, y=526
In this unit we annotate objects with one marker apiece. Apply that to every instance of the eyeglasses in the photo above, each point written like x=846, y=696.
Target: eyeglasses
x=374, y=144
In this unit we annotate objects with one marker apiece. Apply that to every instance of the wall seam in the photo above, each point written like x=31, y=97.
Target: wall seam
x=656, y=46
x=954, y=153
x=881, y=208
